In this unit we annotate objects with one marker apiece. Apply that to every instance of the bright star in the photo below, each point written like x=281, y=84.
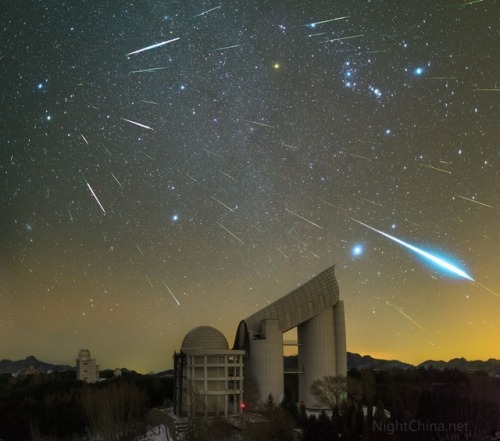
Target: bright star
x=418, y=71
x=357, y=250
x=175, y=217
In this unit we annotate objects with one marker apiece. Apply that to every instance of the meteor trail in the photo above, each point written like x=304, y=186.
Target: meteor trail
x=151, y=69
x=303, y=218
x=261, y=124
x=437, y=260
x=236, y=237
x=140, y=251
x=153, y=46
x=400, y=310
x=356, y=156
x=435, y=168
x=229, y=176
x=85, y=139
x=116, y=179
x=149, y=281
x=171, y=293
x=345, y=38
x=206, y=12
x=316, y=35
x=93, y=194
x=137, y=124
x=228, y=47
x=223, y=204
x=474, y=201
x=372, y=202
x=316, y=23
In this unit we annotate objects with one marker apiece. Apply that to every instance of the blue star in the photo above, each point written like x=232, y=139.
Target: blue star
x=357, y=250
x=418, y=71
x=175, y=217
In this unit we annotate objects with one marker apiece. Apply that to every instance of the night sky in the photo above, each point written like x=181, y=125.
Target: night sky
x=248, y=147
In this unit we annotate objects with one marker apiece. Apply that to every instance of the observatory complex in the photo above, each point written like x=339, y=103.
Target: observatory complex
x=209, y=373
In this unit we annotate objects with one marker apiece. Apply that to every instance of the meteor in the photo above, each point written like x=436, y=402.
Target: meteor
x=345, y=38
x=236, y=237
x=400, y=310
x=171, y=293
x=150, y=69
x=228, y=47
x=137, y=124
x=434, y=259
x=435, y=168
x=206, y=12
x=474, y=201
x=303, y=218
x=261, y=124
x=316, y=23
x=116, y=179
x=93, y=194
x=153, y=46
x=223, y=204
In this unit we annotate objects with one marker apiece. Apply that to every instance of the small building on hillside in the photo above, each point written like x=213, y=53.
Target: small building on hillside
x=86, y=368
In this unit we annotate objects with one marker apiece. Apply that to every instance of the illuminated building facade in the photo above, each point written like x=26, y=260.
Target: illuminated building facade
x=208, y=376
x=316, y=311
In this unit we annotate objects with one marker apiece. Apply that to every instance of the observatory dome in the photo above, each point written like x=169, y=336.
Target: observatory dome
x=204, y=337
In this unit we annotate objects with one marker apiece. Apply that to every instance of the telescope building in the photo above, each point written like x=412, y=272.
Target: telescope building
x=316, y=311
x=209, y=376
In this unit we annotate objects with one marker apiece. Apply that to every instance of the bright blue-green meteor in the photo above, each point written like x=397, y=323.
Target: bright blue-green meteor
x=434, y=259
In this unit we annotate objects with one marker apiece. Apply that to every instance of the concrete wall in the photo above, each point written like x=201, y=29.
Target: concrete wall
x=265, y=362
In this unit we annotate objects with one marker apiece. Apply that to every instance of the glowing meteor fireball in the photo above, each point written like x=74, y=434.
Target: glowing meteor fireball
x=434, y=259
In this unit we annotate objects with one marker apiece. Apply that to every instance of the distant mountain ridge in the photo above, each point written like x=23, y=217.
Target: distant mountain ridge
x=31, y=364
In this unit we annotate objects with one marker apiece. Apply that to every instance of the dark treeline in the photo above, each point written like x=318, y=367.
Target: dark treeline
x=415, y=404
x=58, y=407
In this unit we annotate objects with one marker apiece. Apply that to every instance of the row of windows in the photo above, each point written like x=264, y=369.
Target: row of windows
x=217, y=359
x=217, y=372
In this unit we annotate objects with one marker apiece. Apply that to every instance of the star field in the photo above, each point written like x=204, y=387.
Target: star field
x=166, y=165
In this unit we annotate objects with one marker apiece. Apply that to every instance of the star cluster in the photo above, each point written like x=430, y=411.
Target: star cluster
x=170, y=164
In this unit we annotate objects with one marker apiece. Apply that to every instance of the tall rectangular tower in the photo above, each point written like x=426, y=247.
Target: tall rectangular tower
x=86, y=368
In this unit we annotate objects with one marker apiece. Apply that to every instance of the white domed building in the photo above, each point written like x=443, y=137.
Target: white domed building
x=208, y=375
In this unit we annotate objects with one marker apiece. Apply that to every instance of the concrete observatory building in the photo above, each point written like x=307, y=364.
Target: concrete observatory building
x=316, y=311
